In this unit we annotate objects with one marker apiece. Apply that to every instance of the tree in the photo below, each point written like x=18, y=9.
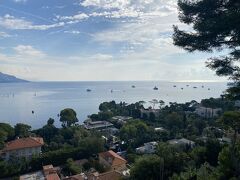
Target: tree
x=231, y=121
x=136, y=132
x=204, y=172
x=215, y=26
x=152, y=117
x=8, y=129
x=6, y=133
x=154, y=102
x=50, y=121
x=105, y=106
x=3, y=138
x=228, y=166
x=147, y=167
x=72, y=168
x=68, y=117
x=230, y=156
x=48, y=131
x=174, y=159
x=161, y=104
x=105, y=115
x=174, y=120
x=22, y=130
x=198, y=154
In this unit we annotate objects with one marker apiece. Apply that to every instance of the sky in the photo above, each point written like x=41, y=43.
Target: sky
x=95, y=40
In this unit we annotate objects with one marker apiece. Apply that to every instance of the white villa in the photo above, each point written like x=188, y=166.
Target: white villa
x=23, y=147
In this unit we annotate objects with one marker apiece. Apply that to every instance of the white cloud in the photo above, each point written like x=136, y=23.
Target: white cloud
x=73, y=19
x=27, y=50
x=142, y=33
x=4, y=34
x=73, y=32
x=11, y=22
x=20, y=1
x=132, y=8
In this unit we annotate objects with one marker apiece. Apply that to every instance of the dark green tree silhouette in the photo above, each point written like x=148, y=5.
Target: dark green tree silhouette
x=215, y=25
x=68, y=117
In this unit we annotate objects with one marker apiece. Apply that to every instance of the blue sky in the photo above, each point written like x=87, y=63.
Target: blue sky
x=73, y=40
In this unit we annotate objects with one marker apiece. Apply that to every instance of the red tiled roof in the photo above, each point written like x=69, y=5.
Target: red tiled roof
x=113, y=175
x=110, y=175
x=24, y=143
x=116, y=159
x=52, y=177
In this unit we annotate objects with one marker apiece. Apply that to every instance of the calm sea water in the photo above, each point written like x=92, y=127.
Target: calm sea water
x=47, y=99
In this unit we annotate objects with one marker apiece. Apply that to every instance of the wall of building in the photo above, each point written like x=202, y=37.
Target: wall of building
x=26, y=152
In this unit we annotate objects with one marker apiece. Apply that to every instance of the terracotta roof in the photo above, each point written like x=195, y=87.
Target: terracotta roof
x=52, y=177
x=110, y=175
x=24, y=143
x=115, y=158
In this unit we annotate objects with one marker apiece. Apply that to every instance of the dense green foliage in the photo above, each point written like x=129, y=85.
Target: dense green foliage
x=148, y=167
x=22, y=130
x=68, y=117
x=6, y=133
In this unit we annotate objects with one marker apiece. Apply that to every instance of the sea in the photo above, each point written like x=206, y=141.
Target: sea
x=34, y=103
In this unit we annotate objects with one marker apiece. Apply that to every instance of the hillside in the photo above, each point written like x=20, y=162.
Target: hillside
x=5, y=78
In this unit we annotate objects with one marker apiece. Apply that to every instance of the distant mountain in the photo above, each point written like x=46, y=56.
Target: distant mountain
x=5, y=78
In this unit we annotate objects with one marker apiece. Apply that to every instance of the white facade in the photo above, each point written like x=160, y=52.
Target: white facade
x=25, y=152
x=208, y=112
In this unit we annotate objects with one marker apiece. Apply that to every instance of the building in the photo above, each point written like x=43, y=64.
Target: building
x=32, y=176
x=182, y=142
x=112, y=160
x=48, y=173
x=97, y=125
x=23, y=147
x=110, y=175
x=81, y=176
x=122, y=119
x=148, y=148
x=208, y=112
